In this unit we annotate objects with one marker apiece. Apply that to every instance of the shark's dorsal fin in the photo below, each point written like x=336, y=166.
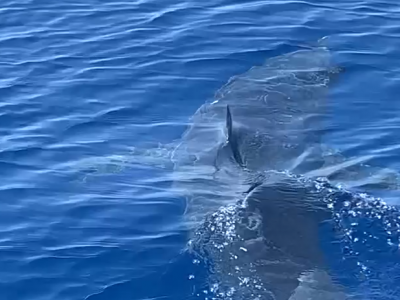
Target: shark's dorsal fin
x=231, y=140
x=229, y=124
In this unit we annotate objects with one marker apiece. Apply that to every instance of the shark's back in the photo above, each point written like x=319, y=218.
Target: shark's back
x=276, y=109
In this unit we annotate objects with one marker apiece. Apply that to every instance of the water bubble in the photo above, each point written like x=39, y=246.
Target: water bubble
x=244, y=281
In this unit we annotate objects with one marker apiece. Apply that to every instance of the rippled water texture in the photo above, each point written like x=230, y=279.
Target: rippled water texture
x=93, y=92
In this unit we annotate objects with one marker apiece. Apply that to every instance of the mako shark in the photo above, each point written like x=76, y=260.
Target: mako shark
x=266, y=119
x=237, y=166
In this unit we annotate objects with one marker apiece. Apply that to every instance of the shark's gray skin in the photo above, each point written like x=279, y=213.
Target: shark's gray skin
x=273, y=123
x=276, y=110
x=261, y=125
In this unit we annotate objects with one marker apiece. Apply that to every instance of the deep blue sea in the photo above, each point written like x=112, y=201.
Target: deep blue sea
x=93, y=92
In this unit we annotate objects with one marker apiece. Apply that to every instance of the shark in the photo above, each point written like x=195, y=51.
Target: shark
x=250, y=168
x=269, y=118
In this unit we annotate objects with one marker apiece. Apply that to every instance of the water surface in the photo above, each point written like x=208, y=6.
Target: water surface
x=85, y=87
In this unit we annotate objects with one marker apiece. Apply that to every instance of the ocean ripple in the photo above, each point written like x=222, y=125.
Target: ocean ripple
x=89, y=91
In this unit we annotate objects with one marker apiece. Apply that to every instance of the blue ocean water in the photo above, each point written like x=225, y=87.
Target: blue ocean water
x=85, y=84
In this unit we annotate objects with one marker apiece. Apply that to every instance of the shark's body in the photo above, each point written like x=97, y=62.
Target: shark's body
x=259, y=225
x=275, y=124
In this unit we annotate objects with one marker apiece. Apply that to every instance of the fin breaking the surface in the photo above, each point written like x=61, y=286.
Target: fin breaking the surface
x=232, y=142
x=229, y=123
